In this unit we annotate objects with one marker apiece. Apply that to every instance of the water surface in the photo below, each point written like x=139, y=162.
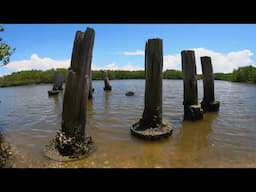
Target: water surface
x=29, y=119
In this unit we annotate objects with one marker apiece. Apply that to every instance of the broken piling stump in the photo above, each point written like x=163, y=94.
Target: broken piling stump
x=58, y=80
x=72, y=142
x=208, y=103
x=107, y=86
x=151, y=125
x=192, y=111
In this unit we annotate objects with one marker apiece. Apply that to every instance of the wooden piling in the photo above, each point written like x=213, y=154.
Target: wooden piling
x=91, y=90
x=107, y=86
x=208, y=103
x=192, y=111
x=151, y=125
x=72, y=140
x=58, y=80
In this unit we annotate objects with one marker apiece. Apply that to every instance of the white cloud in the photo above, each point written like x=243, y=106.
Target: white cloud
x=221, y=62
x=172, y=62
x=35, y=62
x=137, y=52
x=113, y=66
x=226, y=62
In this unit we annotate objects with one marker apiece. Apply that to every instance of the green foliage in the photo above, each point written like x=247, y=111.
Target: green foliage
x=5, y=50
x=223, y=76
x=30, y=77
x=172, y=74
x=242, y=74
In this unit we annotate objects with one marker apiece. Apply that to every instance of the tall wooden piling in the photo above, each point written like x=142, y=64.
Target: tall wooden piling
x=192, y=111
x=107, y=86
x=151, y=125
x=72, y=140
x=91, y=90
x=208, y=103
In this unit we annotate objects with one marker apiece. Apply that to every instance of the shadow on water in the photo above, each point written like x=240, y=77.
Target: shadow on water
x=193, y=141
x=57, y=103
x=90, y=115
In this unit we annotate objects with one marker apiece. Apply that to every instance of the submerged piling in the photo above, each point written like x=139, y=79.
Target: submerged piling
x=107, y=86
x=58, y=80
x=151, y=125
x=192, y=111
x=72, y=141
x=208, y=103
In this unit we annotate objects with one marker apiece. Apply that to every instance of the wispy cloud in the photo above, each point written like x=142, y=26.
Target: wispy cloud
x=137, y=52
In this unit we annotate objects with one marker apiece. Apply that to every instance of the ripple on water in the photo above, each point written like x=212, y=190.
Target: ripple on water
x=225, y=139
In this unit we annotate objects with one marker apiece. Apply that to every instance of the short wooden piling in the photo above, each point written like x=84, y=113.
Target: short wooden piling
x=107, y=86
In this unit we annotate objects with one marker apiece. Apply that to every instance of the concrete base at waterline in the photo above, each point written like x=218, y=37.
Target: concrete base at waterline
x=193, y=113
x=155, y=133
x=52, y=153
x=211, y=107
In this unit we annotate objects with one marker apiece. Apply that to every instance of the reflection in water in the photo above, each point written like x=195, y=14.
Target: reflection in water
x=55, y=98
x=107, y=101
x=30, y=119
x=197, y=133
x=193, y=139
x=58, y=104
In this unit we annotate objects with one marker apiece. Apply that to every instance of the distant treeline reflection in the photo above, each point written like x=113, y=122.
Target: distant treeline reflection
x=242, y=74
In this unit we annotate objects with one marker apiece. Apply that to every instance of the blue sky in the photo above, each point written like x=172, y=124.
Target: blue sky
x=121, y=46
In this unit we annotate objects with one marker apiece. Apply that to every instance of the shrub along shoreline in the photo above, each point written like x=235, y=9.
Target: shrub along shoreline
x=242, y=74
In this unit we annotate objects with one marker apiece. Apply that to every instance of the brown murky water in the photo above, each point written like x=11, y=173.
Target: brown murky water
x=29, y=119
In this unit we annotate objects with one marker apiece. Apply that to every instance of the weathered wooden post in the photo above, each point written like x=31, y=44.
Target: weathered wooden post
x=192, y=111
x=91, y=90
x=58, y=80
x=72, y=140
x=151, y=126
x=208, y=103
x=106, y=81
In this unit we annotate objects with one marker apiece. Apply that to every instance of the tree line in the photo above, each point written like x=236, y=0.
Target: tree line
x=38, y=76
x=242, y=74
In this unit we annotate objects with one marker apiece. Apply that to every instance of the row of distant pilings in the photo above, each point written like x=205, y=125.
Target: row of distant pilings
x=72, y=142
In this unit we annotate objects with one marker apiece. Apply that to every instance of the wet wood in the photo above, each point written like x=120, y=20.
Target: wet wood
x=191, y=109
x=152, y=114
x=91, y=90
x=107, y=86
x=74, y=113
x=208, y=103
x=151, y=126
x=58, y=80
